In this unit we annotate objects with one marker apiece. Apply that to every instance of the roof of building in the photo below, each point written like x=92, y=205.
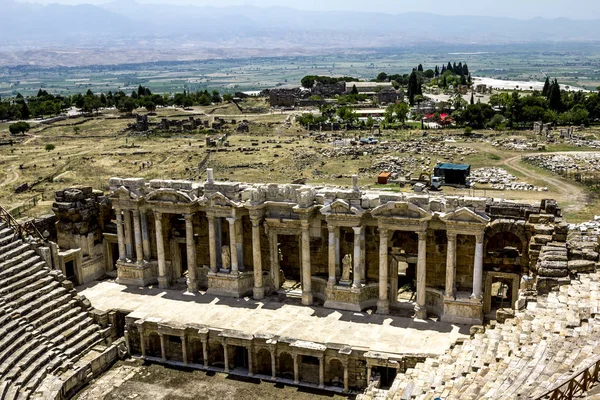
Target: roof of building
x=368, y=84
x=456, y=167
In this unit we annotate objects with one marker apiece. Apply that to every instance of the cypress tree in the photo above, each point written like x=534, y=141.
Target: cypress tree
x=412, y=87
x=455, y=69
x=420, y=68
x=465, y=70
x=437, y=71
x=449, y=67
x=555, y=99
x=443, y=69
x=472, y=99
x=546, y=90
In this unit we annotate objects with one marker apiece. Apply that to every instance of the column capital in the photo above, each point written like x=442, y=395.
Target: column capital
x=305, y=224
x=358, y=229
x=158, y=214
x=422, y=235
x=331, y=228
x=384, y=232
x=479, y=238
x=256, y=221
x=232, y=220
x=451, y=235
x=136, y=212
x=188, y=217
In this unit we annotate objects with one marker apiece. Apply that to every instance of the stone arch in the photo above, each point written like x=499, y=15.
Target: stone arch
x=216, y=354
x=335, y=373
x=154, y=348
x=286, y=366
x=263, y=362
x=511, y=233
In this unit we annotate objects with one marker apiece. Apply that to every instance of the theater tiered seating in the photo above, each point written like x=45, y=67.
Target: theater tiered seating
x=542, y=347
x=44, y=328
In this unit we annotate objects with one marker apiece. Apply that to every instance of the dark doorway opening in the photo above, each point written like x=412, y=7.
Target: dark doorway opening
x=385, y=375
x=70, y=271
x=183, y=258
x=240, y=358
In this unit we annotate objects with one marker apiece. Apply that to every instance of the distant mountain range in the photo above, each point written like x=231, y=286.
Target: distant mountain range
x=128, y=24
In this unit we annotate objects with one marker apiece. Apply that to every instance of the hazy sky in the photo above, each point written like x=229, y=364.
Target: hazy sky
x=576, y=9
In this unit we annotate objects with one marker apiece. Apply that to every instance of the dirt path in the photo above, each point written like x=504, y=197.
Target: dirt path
x=573, y=192
x=12, y=176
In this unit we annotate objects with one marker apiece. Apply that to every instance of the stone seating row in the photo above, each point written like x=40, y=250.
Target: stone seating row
x=542, y=347
x=44, y=330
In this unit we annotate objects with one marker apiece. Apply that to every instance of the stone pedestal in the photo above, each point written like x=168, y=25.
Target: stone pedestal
x=352, y=299
x=463, y=310
x=230, y=285
x=137, y=274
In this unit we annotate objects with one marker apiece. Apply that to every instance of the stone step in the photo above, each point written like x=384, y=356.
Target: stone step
x=39, y=363
x=9, y=245
x=51, y=311
x=6, y=267
x=53, y=327
x=11, y=342
x=16, y=355
x=6, y=231
x=30, y=291
x=19, y=280
x=84, y=340
x=13, y=253
x=55, y=291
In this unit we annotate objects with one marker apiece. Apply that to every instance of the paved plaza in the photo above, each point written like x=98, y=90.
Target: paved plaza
x=388, y=334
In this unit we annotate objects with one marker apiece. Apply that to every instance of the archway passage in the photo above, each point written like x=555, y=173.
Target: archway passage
x=289, y=262
x=309, y=370
x=196, y=353
x=239, y=358
x=506, y=249
x=70, y=271
x=216, y=356
x=154, y=349
x=335, y=373
x=385, y=375
x=286, y=366
x=263, y=362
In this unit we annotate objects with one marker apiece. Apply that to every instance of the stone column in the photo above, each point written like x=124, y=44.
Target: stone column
x=346, y=385
x=128, y=244
x=451, y=265
x=296, y=374
x=331, y=282
x=321, y=372
x=307, y=296
x=338, y=258
x=145, y=236
x=357, y=272
x=163, y=348
x=478, y=268
x=212, y=244
x=273, y=365
x=205, y=352
x=274, y=252
x=421, y=308
x=137, y=229
x=226, y=357
x=383, y=305
x=142, y=342
x=250, y=362
x=120, y=234
x=184, y=349
x=163, y=281
x=233, y=246
x=192, y=280
x=259, y=290
x=368, y=374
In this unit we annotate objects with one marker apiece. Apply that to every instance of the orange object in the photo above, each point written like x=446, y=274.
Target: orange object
x=384, y=177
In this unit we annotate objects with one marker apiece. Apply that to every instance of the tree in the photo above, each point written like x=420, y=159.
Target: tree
x=382, y=77
x=228, y=97
x=354, y=90
x=401, y=109
x=347, y=115
x=76, y=130
x=420, y=68
x=50, y=147
x=449, y=67
x=127, y=105
x=546, y=90
x=429, y=73
x=437, y=71
x=465, y=70
x=19, y=127
x=91, y=104
x=555, y=99
x=413, y=87
x=472, y=98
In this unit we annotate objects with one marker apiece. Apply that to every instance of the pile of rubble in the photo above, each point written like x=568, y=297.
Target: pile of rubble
x=400, y=166
x=416, y=147
x=500, y=179
x=582, y=142
x=560, y=164
x=516, y=144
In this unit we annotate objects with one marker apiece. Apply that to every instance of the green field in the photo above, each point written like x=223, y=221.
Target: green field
x=572, y=64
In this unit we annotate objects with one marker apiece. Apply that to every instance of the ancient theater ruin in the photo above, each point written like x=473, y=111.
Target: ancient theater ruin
x=342, y=289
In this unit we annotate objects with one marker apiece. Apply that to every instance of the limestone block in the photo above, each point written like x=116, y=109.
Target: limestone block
x=134, y=183
x=553, y=264
x=543, y=239
x=555, y=273
x=582, y=266
x=541, y=229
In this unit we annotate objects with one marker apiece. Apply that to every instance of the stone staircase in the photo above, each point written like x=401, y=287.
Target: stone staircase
x=524, y=357
x=45, y=328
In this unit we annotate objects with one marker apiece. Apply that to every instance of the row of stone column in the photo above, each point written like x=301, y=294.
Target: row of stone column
x=226, y=369
x=132, y=236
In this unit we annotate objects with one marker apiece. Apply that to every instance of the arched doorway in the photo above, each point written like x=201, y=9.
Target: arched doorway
x=286, y=366
x=335, y=373
x=154, y=349
x=263, y=362
x=505, y=261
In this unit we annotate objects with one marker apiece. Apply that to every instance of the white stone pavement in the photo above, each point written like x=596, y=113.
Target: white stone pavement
x=388, y=334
